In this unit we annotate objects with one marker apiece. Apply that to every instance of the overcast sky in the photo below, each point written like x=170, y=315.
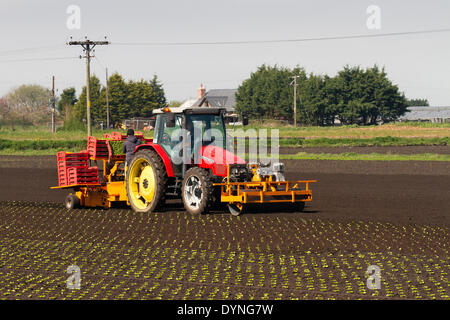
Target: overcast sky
x=419, y=64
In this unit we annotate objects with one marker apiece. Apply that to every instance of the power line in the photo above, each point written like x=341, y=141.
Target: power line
x=29, y=50
x=98, y=60
x=358, y=36
x=107, y=91
x=39, y=59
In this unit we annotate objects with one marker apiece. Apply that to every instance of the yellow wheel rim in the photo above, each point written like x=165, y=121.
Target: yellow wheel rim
x=141, y=183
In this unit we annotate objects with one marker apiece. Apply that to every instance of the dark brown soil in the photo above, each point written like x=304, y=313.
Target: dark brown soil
x=393, y=150
x=373, y=215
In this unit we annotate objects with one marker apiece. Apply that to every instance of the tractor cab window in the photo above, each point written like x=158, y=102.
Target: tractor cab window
x=206, y=130
x=169, y=136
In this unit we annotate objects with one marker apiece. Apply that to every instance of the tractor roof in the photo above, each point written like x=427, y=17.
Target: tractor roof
x=193, y=110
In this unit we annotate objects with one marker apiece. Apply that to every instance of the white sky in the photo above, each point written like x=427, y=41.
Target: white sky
x=419, y=64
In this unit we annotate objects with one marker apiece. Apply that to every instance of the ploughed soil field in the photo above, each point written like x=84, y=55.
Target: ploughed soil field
x=373, y=149
x=394, y=215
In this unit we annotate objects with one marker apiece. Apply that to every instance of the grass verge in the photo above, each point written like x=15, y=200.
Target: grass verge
x=356, y=142
x=37, y=144
x=369, y=142
x=31, y=152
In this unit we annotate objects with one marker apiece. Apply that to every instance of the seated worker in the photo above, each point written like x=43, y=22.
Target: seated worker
x=129, y=145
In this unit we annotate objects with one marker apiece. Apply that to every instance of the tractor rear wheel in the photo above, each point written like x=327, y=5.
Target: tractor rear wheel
x=72, y=201
x=146, y=181
x=197, y=191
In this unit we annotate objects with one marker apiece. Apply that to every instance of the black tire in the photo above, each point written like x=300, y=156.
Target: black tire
x=293, y=206
x=72, y=202
x=160, y=185
x=301, y=206
x=236, y=209
x=204, y=192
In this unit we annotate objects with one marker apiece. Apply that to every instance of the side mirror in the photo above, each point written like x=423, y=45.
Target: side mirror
x=152, y=122
x=170, y=120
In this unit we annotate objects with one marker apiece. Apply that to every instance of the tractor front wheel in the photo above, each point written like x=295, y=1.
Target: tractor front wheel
x=146, y=181
x=197, y=191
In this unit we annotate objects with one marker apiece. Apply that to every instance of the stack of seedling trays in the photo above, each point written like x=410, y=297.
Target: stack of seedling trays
x=78, y=176
x=73, y=168
x=98, y=148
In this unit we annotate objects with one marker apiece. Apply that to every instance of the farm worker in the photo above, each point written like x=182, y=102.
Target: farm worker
x=129, y=145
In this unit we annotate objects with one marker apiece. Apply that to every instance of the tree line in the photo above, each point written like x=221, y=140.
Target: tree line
x=31, y=104
x=354, y=96
x=127, y=99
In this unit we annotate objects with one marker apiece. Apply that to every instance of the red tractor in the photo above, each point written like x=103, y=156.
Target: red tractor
x=186, y=158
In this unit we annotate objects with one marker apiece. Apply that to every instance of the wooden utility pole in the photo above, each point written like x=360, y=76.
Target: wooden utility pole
x=107, y=100
x=294, y=83
x=88, y=46
x=53, y=106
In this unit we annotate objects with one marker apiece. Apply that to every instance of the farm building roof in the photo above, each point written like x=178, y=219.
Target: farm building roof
x=426, y=113
x=188, y=103
x=219, y=98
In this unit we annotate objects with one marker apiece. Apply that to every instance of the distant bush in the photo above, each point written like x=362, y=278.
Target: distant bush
x=15, y=123
x=20, y=145
x=73, y=125
x=378, y=141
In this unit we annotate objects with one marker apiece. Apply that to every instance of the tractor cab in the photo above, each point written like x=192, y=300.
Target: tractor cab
x=184, y=134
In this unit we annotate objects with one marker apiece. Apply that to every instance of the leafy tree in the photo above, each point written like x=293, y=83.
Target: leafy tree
x=316, y=101
x=158, y=95
x=67, y=98
x=417, y=103
x=4, y=111
x=126, y=99
x=267, y=93
x=354, y=95
x=145, y=96
x=119, y=106
x=98, y=109
x=367, y=96
x=30, y=103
